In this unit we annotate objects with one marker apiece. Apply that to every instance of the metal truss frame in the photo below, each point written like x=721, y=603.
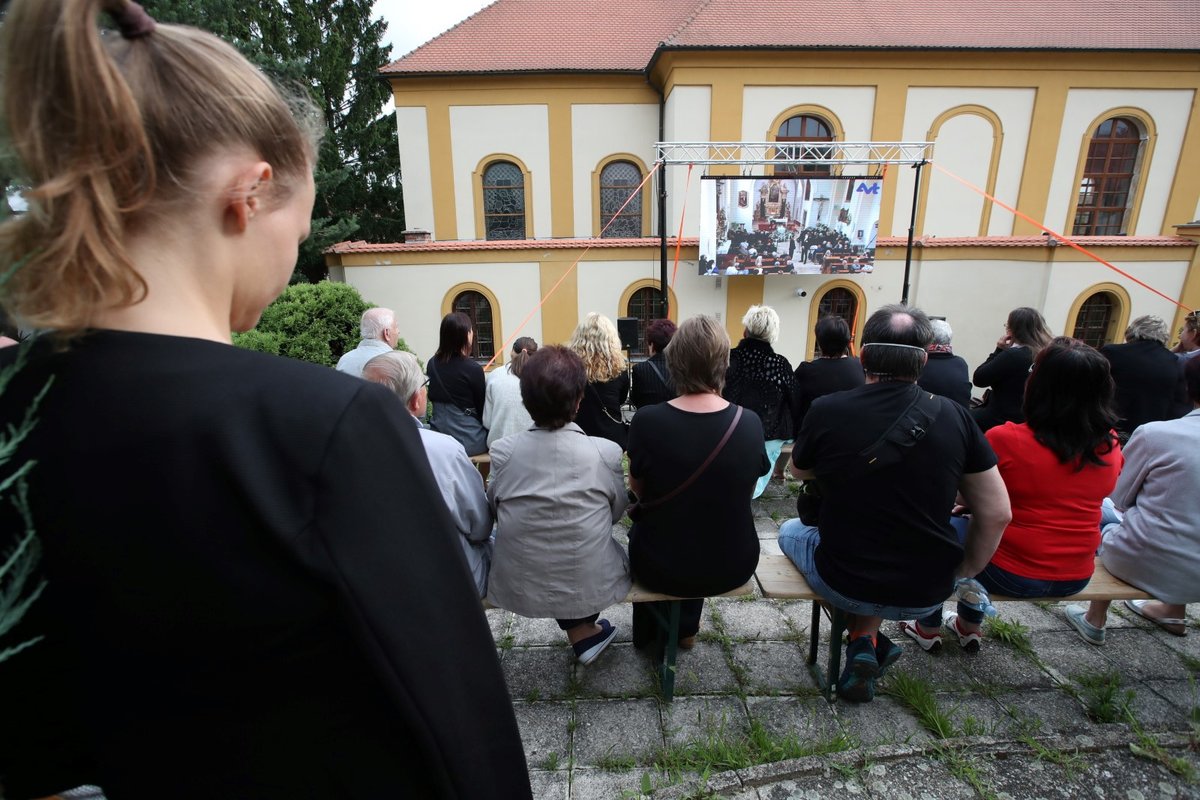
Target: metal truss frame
x=797, y=153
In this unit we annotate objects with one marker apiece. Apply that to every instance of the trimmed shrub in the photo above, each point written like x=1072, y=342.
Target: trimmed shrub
x=315, y=322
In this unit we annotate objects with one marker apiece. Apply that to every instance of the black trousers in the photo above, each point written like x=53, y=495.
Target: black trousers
x=645, y=627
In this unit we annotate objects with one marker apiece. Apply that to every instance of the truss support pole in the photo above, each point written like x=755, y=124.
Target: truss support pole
x=662, y=238
x=912, y=227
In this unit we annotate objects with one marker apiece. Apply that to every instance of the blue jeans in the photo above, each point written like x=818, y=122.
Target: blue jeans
x=799, y=543
x=1001, y=581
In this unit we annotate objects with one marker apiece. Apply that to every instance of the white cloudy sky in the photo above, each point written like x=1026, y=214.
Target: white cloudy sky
x=411, y=23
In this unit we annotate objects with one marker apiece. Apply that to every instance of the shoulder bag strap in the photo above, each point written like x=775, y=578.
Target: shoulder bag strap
x=711, y=456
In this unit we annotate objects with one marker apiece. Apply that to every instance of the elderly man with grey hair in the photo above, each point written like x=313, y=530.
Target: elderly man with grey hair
x=945, y=373
x=380, y=334
x=1150, y=385
x=459, y=480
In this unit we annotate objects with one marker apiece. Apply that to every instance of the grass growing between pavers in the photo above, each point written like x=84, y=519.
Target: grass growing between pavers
x=1010, y=633
x=1105, y=700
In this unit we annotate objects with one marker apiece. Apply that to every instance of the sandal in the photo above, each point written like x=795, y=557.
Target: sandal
x=1175, y=627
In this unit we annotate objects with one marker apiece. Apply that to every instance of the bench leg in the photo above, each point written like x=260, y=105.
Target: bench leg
x=826, y=683
x=667, y=646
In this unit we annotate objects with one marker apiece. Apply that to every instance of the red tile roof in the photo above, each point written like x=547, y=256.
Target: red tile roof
x=1085, y=242
x=511, y=244
x=624, y=35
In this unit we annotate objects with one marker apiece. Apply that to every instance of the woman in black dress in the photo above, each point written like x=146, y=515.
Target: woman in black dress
x=596, y=342
x=651, y=381
x=700, y=541
x=833, y=370
x=457, y=387
x=1007, y=368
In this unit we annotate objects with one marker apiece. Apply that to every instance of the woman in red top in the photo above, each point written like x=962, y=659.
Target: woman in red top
x=1058, y=465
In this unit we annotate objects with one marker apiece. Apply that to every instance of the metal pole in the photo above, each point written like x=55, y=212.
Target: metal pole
x=662, y=238
x=912, y=227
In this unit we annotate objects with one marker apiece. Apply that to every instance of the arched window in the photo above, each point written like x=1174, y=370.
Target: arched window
x=1094, y=322
x=645, y=304
x=503, y=201
x=477, y=307
x=1108, y=173
x=803, y=128
x=838, y=302
x=618, y=180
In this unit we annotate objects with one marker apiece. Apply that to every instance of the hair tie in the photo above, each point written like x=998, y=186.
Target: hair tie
x=132, y=21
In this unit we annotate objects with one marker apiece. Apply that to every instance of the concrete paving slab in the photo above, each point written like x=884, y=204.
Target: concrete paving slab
x=1026, y=777
x=498, y=621
x=1118, y=773
x=545, y=733
x=550, y=785
x=1041, y=712
x=744, y=621
x=811, y=720
x=609, y=732
x=917, y=778
x=1155, y=712
x=1183, y=694
x=769, y=547
x=542, y=673
x=882, y=721
x=814, y=787
x=1141, y=654
x=599, y=784
x=772, y=667
x=703, y=670
x=766, y=527
x=974, y=714
x=620, y=671
x=1066, y=654
x=798, y=613
x=691, y=719
x=998, y=665
x=528, y=632
x=1034, y=617
x=943, y=670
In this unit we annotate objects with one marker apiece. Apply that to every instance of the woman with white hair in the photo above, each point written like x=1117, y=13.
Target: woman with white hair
x=1150, y=385
x=762, y=380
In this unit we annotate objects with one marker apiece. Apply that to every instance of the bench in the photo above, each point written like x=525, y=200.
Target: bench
x=779, y=579
x=666, y=648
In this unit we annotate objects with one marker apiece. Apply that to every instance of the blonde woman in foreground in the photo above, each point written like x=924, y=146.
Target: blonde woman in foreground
x=253, y=590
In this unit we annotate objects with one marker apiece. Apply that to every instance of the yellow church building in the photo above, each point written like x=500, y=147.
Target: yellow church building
x=524, y=129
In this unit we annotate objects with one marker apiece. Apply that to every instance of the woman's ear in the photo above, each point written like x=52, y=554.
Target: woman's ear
x=246, y=196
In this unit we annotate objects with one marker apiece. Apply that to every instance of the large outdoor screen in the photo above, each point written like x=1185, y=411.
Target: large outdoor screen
x=788, y=225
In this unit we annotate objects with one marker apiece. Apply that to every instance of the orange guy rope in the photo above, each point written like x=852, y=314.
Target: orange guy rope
x=1057, y=235
x=508, y=342
x=682, y=216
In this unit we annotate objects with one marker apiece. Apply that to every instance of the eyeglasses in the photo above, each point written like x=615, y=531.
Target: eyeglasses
x=425, y=383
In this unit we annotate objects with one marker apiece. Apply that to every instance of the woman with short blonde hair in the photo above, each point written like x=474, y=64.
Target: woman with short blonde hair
x=598, y=345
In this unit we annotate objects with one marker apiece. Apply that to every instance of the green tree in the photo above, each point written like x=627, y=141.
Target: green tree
x=315, y=322
x=334, y=49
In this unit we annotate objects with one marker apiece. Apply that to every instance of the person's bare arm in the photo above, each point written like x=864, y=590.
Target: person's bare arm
x=987, y=497
x=801, y=474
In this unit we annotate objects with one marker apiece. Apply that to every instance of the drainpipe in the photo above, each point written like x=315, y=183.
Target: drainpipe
x=662, y=201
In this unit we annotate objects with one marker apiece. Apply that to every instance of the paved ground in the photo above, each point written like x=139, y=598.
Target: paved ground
x=1041, y=715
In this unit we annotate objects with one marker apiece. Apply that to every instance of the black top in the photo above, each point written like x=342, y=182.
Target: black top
x=886, y=535
x=702, y=541
x=947, y=374
x=459, y=381
x=254, y=588
x=761, y=380
x=824, y=376
x=600, y=412
x=651, y=382
x=1005, y=372
x=1150, y=383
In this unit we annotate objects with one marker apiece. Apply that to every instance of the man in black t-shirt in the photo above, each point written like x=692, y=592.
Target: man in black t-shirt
x=890, y=458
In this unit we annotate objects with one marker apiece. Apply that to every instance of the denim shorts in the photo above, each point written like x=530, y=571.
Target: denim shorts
x=799, y=543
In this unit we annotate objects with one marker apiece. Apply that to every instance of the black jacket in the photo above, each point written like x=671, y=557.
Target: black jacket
x=761, y=380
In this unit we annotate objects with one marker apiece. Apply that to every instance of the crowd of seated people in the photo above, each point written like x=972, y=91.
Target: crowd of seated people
x=1022, y=493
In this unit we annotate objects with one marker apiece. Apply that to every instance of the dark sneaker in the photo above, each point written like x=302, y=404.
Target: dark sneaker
x=857, y=683
x=887, y=652
x=587, y=649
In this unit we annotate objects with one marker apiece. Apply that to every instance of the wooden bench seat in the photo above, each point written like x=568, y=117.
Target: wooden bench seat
x=779, y=579
x=667, y=647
